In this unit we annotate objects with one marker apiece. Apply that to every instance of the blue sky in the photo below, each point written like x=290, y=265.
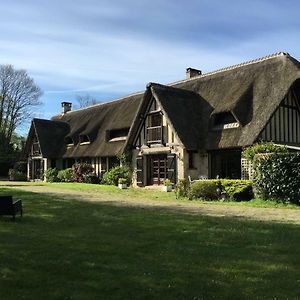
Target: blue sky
x=112, y=48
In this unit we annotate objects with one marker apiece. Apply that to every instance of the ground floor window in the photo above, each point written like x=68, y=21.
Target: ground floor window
x=68, y=163
x=225, y=164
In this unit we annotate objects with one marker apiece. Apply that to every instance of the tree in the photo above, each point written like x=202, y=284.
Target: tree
x=85, y=100
x=19, y=95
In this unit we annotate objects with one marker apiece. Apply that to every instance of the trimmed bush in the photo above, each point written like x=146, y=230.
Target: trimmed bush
x=51, y=175
x=213, y=189
x=112, y=176
x=81, y=170
x=277, y=177
x=205, y=189
x=65, y=175
x=91, y=178
x=238, y=190
x=15, y=175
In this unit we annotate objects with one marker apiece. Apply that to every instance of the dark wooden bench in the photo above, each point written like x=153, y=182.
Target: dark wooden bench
x=10, y=208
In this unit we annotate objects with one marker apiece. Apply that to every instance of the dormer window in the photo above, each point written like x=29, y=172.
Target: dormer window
x=84, y=139
x=115, y=135
x=69, y=141
x=224, y=120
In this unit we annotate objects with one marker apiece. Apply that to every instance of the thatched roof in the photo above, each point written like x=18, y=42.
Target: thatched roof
x=95, y=122
x=250, y=91
x=50, y=135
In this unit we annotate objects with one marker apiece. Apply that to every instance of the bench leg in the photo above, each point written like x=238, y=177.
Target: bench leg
x=21, y=212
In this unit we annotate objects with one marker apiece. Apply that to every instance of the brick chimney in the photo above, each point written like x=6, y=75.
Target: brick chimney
x=190, y=72
x=65, y=107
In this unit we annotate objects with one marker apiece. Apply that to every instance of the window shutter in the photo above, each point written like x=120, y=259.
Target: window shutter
x=139, y=171
x=172, y=168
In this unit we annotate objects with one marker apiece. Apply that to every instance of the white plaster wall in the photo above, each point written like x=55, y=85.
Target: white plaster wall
x=200, y=165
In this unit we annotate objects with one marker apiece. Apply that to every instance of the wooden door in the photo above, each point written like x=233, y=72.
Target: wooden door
x=158, y=169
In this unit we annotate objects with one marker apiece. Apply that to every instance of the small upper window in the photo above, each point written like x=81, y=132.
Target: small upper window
x=225, y=120
x=69, y=141
x=84, y=139
x=155, y=120
x=118, y=134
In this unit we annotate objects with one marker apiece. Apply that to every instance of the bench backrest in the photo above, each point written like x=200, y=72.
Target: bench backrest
x=6, y=204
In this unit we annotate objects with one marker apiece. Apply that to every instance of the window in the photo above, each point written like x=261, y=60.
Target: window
x=69, y=141
x=84, y=139
x=191, y=159
x=225, y=120
x=117, y=134
x=155, y=129
x=155, y=120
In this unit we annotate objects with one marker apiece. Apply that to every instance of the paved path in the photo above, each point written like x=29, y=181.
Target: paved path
x=284, y=215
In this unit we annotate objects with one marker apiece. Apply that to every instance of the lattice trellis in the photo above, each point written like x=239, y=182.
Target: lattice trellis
x=247, y=169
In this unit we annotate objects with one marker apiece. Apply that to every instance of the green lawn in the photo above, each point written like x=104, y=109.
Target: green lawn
x=64, y=249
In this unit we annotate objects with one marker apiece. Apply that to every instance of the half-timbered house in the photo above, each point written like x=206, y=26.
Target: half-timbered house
x=193, y=128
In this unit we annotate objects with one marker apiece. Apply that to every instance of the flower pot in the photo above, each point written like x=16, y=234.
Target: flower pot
x=167, y=188
x=122, y=186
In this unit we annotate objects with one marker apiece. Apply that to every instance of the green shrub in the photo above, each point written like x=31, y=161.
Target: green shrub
x=167, y=182
x=238, y=190
x=264, y=147
x=15, y=175
x=182, y=188
x=91, y=178
x=65, y=175
x=21, y=166
x=80, y=170
x=122, y=181
x=112, y=176
x=277, y=177
x=51, y=175
x=205, y=189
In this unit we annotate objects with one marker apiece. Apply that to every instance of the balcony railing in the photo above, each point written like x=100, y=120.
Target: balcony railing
x=155, y=134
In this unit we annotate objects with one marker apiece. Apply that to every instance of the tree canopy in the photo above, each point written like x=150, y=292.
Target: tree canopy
x=19, y=95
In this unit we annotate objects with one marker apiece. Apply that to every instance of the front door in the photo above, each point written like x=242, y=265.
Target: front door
x=38, y=169
x=157, y=169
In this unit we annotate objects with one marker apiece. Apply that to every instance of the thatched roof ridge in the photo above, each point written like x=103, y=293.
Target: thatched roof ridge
x=251, y=91
x=101, y=104
x=233, y=67
x=95, y=122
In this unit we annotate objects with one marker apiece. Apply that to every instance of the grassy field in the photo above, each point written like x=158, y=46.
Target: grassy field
x=112, y=192
x=64, y=249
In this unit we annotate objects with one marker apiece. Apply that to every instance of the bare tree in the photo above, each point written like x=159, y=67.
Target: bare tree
x=19, y=95
x=85, y=100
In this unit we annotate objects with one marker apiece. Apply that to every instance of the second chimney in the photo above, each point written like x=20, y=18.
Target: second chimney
x=65, y=107
x=190, y=72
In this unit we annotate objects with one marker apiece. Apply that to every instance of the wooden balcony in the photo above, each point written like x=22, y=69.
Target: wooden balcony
x=155, y=135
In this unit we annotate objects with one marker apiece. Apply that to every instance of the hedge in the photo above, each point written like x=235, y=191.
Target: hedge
x=277, y=177
x=221, y=189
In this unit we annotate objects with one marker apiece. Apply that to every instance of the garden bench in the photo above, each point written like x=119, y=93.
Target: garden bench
x=8, y=207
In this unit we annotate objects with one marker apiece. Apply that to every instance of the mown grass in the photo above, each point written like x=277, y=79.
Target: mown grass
x=112, y=192
x=64, y=249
